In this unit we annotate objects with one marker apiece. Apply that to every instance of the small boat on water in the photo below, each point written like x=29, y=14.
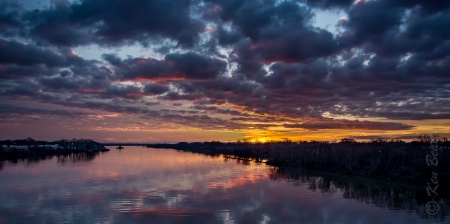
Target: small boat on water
x=119, y=147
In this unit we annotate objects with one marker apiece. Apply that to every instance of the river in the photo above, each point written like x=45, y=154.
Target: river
x=145, y=185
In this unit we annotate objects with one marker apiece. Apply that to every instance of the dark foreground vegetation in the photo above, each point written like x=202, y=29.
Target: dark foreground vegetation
x=396, y=160
x=33, y=149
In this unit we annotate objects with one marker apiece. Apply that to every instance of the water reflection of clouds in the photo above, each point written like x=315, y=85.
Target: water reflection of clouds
x=166, y=186
x=261, y=200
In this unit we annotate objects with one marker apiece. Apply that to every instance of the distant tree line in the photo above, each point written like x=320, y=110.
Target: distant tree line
x=23, y=148
x=381, y=158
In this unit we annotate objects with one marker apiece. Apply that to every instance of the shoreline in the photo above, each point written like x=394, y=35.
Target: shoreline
x=29, y=148
x=396, y=161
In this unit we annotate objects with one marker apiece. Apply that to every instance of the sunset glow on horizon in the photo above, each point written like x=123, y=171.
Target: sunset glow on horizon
x=214, y=70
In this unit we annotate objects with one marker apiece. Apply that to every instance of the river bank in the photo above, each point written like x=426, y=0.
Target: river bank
x=394, y=160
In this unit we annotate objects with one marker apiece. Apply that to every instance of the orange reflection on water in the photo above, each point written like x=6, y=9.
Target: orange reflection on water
x=189, y=169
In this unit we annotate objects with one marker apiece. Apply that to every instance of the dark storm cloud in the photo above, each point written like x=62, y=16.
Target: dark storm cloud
x=276, y=32
x=10, y=22
x=297, y=46
x=16, y=72
x=414, y=116
x=88, y=79
x=54, y=26
x=173, y=66
x=370, y=20
x=154, y=88
x=115, y=99
x=13, y=52
x=139, y=20
x=402, y=30
x=61, y=83
x=54, y=67
x=259, y=20
x=424, y=6
x=227, y=37
x=345, y=124
x=195, y=66
x=19, y=89
x=388, y=59
x=329, y=3
x=180, y=117
x=431, y=24
x=114, y=22
x=12, y=110
x=129, y=91
x=200, y=121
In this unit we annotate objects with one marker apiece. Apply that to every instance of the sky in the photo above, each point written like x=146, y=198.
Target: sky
x=223, y=70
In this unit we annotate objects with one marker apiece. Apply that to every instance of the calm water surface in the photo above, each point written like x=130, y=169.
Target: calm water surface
x=142, y=185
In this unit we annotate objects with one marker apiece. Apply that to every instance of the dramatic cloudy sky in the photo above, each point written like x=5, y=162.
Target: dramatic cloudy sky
x=201, y=70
